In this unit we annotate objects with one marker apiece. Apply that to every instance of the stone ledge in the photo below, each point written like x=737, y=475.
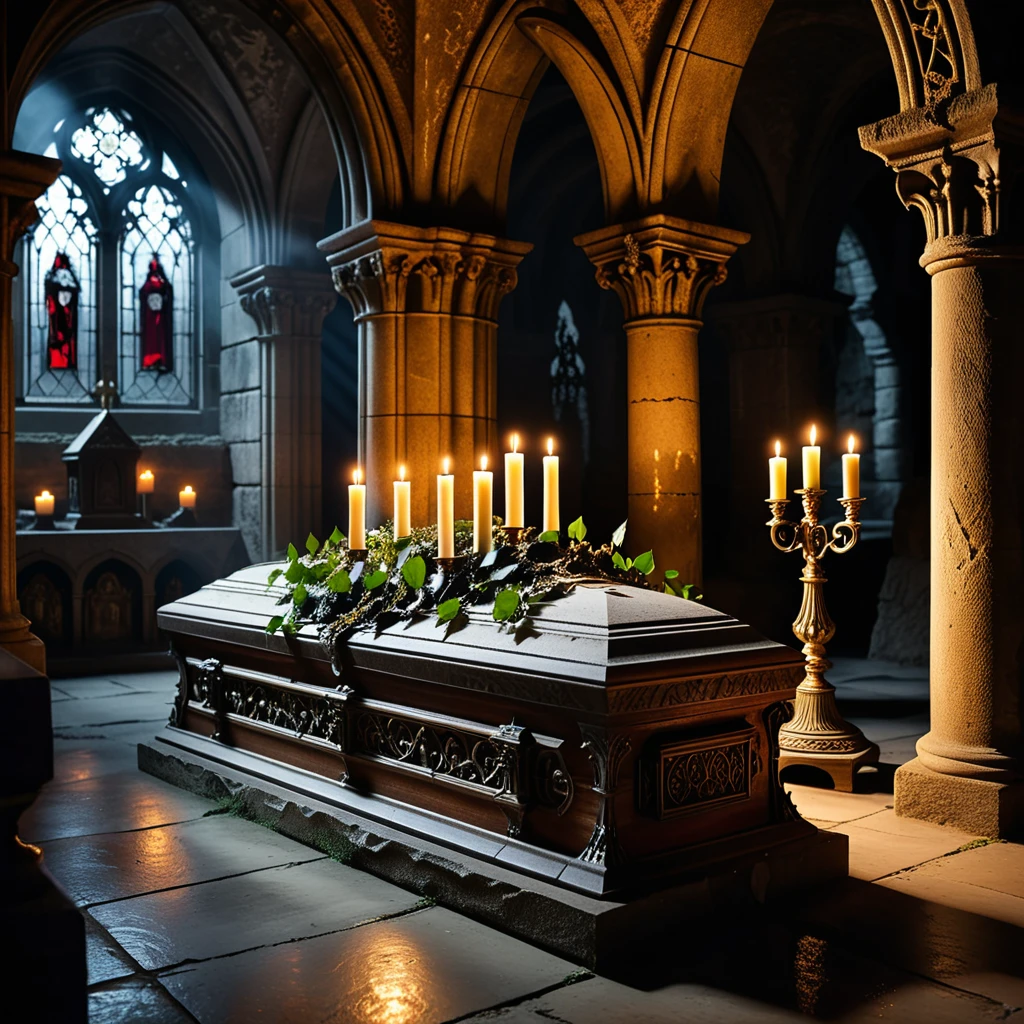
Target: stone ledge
x=589, y=931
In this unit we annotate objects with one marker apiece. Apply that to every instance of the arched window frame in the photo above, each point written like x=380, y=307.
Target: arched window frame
x=107, y=207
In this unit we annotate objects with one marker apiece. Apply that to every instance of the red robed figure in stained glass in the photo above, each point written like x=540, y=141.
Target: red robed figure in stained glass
x=156, y=301
x=60, y=289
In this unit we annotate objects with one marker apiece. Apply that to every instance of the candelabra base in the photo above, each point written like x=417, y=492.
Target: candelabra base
x=818, y=736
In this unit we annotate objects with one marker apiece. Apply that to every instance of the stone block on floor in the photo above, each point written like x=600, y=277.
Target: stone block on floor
x=261, y=908
x=128, y=706
x=428, y=967
x=96, y=869
x=829, y=806
x=139, y=1000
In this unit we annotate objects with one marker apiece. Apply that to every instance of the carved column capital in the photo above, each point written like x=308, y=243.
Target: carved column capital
x=284, y=302
x=661, y=266
x=24, y=177
x=391, y=268
x=947, y=168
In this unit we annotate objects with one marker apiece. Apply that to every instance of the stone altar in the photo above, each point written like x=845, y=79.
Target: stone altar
x=582, y=784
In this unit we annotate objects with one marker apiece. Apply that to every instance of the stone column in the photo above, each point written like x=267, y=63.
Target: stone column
x=23, y=178
x=968, y=771
x=662, y=269
x=426, y=305
x=276, y=443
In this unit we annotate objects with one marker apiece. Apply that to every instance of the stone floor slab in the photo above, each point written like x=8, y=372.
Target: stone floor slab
x=974, y=899
x=96, y=869
x=875, y=853
x=105, y=959
x=427, y=967
x=139, y=1000
x=879, y=730
x=828, y=805
x=88, y=687
x=163, y=681
x=75, y=760
x=997, y=866
x=108, y=803
x=259, y=909
x=123, y=708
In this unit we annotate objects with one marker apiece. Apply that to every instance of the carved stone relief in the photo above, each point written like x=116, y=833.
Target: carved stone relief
x=108, y=610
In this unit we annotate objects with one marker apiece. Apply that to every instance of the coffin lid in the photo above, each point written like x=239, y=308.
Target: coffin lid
x=597, y=635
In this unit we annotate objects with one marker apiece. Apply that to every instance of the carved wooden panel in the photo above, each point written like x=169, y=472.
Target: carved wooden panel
x=682, y=776
x=43, y=603
x=108, y=609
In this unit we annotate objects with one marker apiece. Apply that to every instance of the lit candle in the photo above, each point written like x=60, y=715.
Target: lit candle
x=483, y=507
x=445, y=513
x=812, y=463
x=550, y=489
x=851, y=472
x=357, y=513
x=514, y=493
x=146, y=482
x=44, y=504
x=187, y=497
x=777, y=475
x=403, y=505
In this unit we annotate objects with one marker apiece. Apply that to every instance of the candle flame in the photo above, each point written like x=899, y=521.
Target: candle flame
x=814, y=435
x=46, y=494
x=551, y=446
x=188, y=488
x=146, y=474
x=778, y=448
x=357, y=476
x=446, y=463
x=483, y=462
x=850, y=444
x=401, y=473
x=515, y=443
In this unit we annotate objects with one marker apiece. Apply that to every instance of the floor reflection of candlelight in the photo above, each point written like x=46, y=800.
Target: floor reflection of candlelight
x=395, y=977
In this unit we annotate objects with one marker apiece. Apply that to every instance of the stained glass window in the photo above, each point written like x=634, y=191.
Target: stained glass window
x=155, y=360
x=108, y=144
x=117, y=175
x=60, y=282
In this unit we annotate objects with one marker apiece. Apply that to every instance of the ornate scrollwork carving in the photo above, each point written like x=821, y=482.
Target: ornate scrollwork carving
x=208, y=690
x=285, y=311
x=607, y=753
x=177, y=716
x=550, y=780
x=774, y=717
x=301, y=713
x=935, y=48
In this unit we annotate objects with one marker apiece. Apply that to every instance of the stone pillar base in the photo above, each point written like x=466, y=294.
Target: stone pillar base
x=993, y=809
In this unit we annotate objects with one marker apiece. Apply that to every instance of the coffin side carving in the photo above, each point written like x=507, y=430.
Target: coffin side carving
x=774, y=717
x=607, y=752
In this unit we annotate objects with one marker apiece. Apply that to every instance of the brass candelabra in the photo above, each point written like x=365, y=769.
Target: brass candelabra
x=817, y=734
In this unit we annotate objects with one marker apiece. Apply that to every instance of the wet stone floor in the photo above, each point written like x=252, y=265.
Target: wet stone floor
x=195, y=915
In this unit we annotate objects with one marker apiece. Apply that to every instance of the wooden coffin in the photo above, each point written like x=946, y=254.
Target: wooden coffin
x=623, y=741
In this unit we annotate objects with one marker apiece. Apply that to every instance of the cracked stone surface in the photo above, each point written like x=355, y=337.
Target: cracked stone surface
x=197, y=916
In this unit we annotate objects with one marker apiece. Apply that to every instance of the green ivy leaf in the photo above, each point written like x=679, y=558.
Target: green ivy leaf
x=289, y=628
x=273, y=576
x=506, y=604
x=402, y=543
x=688, y=589
x=577, y=530
x=275, y=624
x=447, y=610
x=295, y=571
x=414, y=572
x=549, y=536
x=312, y=544
x=671, y=574
x=292, y=553
x=375, y=579
x=299, y=596
x=619, y=535
x=618, y=561
x=340, y=582
x=645, y=563
x=336, y=537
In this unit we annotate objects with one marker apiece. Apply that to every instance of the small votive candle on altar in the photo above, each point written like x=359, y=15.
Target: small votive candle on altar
x=483, y=508
x=403, y=505
x=357, y=513
x=514, y=493
x=777, y=475
x=146, y=482
x=551, y=489
x=44, y=504
x=187, y=497
x=851, y=472
x=445, y=512
x=812, y=463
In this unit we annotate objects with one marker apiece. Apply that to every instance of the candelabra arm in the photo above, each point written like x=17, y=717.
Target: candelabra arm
x=786, y=536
